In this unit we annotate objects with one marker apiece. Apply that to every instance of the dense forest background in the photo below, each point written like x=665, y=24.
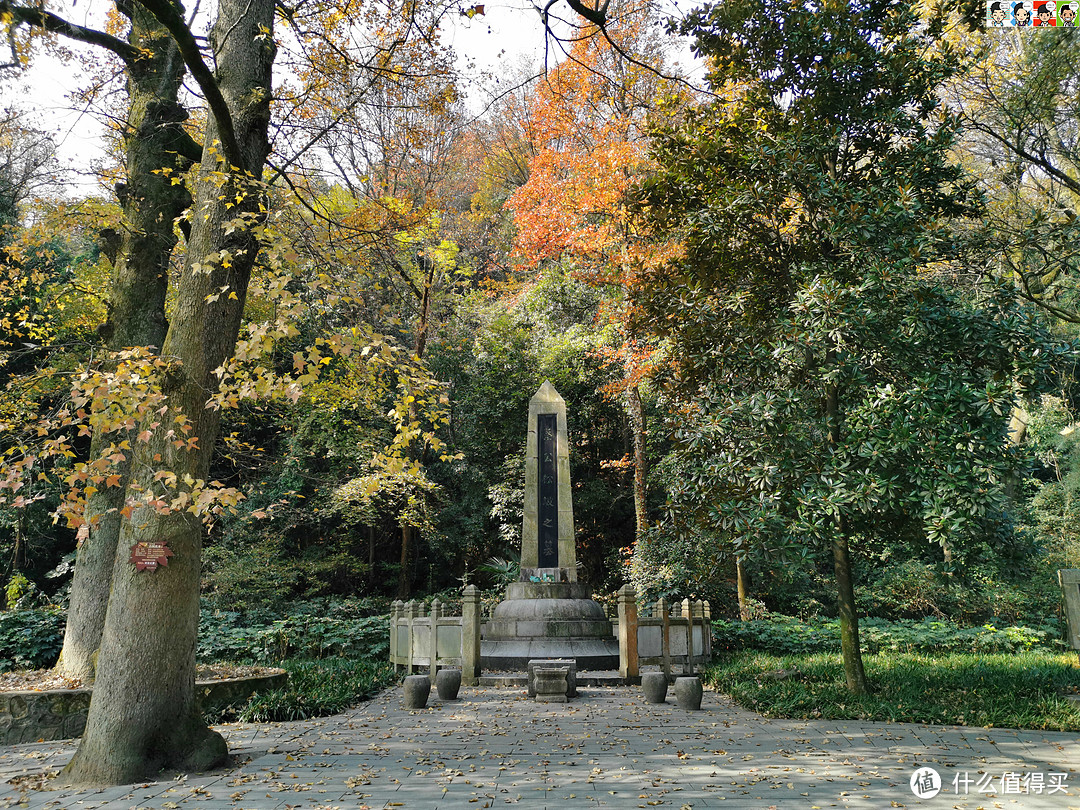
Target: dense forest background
x=700, y=296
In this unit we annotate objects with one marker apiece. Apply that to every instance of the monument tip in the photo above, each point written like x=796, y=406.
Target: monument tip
x=547, y=393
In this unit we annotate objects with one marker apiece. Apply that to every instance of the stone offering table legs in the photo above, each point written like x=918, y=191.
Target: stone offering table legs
x=551, y=684
x=569, y=664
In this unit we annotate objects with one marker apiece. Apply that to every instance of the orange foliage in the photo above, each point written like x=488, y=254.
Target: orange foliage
x=590, y=118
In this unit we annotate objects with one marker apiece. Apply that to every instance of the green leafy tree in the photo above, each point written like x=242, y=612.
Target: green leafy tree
x=832, y=384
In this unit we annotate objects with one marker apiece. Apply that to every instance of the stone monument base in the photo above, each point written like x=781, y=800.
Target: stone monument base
x=548, y=620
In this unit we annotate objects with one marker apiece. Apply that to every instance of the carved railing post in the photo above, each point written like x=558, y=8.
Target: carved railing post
x=706, y=612
x=470, y=636
x=395, y=617
x=628, y=635
x=410, y=622
x=665, y=640
x=688, y=612
x=433, y=667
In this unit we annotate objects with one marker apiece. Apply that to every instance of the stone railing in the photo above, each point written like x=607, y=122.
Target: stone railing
x=662, y=633
x=428, y=640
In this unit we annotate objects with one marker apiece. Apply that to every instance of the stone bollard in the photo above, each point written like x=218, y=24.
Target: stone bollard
x=654, y=685
x=688, y=693
x=447, y=683
x=417, y=688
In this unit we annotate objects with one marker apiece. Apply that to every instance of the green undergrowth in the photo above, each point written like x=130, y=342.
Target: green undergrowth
x=320, y=629
x=30, y=639
x=788, y=635
x=1011, y=690
x=317, y=688
x=336, y=652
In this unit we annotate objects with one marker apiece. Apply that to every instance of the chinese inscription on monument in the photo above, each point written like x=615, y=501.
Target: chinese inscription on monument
x=548, y=492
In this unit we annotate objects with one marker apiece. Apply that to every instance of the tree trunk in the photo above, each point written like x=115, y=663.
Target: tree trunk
x=371, y=551
x=154, y=140
x=742, y=584
x=404, y=576
x=637, y=425
x=144, y=714
x=849, y=620
x=845, y=591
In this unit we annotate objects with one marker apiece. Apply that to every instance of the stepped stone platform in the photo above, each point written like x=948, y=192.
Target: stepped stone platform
x=548, y=620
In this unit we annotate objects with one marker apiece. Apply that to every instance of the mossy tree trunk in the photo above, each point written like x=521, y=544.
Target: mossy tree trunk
x=845, y=590
x=144, y=714
x=154, y=141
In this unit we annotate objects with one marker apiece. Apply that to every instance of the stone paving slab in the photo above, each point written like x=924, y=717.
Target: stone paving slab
x=605, y=749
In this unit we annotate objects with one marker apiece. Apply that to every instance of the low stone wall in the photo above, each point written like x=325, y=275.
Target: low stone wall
x=59, y=714
x=53, y=715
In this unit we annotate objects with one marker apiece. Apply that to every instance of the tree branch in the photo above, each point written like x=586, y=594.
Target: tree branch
x=57, y=25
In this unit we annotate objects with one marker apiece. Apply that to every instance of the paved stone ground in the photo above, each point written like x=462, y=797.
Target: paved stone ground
x=606, y=749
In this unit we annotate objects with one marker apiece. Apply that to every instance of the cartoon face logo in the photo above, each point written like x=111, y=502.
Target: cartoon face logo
x=1045, y=12
x=1022, y=14
x=997, y=14
x=1067, y=14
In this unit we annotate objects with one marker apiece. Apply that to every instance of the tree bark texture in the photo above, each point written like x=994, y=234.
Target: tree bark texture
x=143, y=714
x=151, y=203
x=849, y=620
x=637, y=427
x=845, y=591
x=742, y=585
x=405, y=574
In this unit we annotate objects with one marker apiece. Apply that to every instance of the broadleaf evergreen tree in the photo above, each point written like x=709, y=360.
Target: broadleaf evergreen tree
x=834, y=381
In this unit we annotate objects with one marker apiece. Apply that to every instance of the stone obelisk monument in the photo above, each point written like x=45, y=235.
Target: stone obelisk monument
x=548, y=613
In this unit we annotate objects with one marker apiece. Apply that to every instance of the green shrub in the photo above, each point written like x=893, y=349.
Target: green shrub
x=30, y=639
x=319, y=688
x=310, y=630
x=19, y=590
x=782, y=635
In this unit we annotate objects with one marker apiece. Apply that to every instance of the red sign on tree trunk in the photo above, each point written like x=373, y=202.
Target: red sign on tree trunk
x=148, y=556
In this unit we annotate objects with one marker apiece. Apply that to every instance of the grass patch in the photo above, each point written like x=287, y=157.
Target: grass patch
x=1017, y=690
